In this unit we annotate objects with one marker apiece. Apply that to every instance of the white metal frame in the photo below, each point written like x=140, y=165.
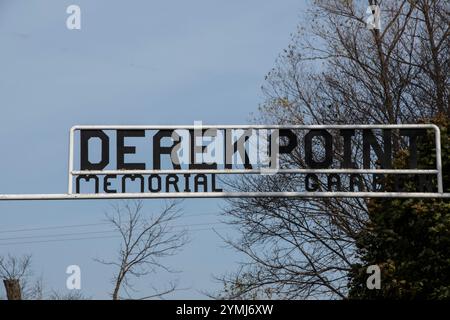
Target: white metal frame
x=72, y=173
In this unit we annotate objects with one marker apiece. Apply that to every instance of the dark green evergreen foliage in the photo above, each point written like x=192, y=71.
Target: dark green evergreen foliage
x=409, y=239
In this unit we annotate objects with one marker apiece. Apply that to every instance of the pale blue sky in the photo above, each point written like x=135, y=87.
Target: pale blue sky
x=133, y=62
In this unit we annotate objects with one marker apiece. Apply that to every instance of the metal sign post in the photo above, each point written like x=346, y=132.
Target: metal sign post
x=236, y=141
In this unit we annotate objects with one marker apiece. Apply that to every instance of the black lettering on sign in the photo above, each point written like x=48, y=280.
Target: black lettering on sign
x=412, y=134
x=370, y=142
x=328, y=144
x=200, y=149
x=122, y=149
x=312, y=182
x=85, y=136
x=347, y=162
x=159, y=150
x=86, y=178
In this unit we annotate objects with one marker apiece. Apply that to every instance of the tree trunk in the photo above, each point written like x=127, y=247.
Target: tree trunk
x=115, y=295
x=13, y=290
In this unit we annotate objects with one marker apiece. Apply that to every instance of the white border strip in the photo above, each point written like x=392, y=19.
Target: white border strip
x=213, y=195
x=253, y=171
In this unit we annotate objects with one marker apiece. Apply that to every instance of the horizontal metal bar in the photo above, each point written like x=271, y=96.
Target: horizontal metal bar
x=206, y=126
x=11, y=197
x=253, y=171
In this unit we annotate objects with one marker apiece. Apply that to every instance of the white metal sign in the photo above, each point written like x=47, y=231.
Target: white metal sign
x=193, y=161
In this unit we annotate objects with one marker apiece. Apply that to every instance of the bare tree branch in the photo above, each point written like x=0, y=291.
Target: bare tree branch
x=336, y=71
x=145, y=241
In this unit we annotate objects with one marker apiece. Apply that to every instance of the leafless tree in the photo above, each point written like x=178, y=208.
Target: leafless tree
x=33, y=288
x=336, y=71
x=71, y=295
x=14, y=272
x=145, y=240
x=17, y=275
